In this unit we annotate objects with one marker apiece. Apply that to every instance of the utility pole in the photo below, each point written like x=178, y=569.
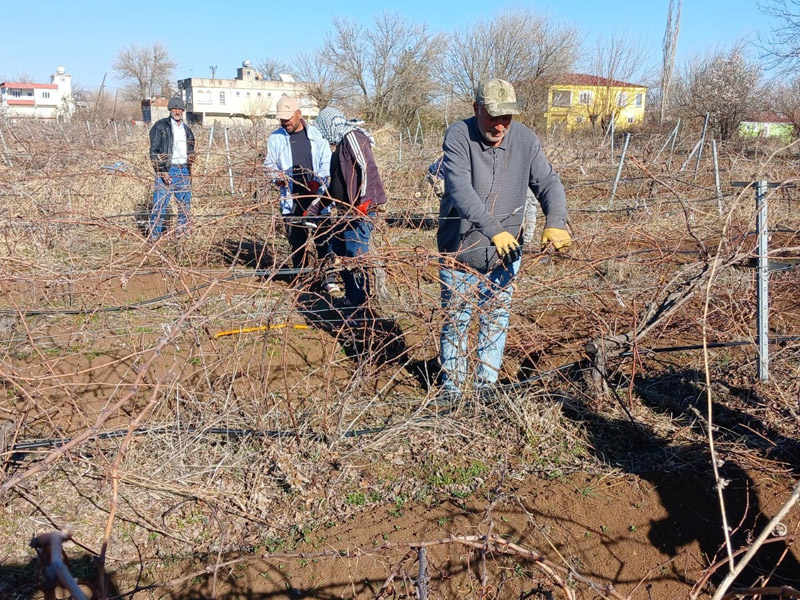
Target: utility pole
x=213, y=71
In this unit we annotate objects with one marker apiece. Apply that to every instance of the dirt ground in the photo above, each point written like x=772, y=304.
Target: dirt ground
x=634, y=533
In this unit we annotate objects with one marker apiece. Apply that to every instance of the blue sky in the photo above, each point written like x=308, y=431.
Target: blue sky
x=84, y=35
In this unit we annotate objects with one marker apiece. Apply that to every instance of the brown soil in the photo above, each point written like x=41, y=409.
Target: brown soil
x=648, y=536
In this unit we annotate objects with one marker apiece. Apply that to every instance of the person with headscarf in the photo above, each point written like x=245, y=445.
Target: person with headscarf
x=356, y=191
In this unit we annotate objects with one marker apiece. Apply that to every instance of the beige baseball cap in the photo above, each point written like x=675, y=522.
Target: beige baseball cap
x=498, y=97
x=286, y=107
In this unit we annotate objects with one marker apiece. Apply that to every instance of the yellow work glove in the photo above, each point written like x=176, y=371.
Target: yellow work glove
x=505, y=243
x=559, y=238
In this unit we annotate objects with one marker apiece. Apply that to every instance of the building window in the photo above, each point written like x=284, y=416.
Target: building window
x=562, y=98
x=45, y=94
x=237, y=94
x=16, y=94
x=585, y=98
x=639, y=100
x=258, y=93
x=579, y=119
x=622, y=99
x=630, y=120
x=222, y=97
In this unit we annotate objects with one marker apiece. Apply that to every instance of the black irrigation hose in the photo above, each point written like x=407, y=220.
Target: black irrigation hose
x=777, y=339
x=281, y=272
x=28, y=447
x=159, y=299
x=267, y=273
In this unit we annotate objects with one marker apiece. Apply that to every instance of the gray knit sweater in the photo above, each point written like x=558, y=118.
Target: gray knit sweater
x=485, y=190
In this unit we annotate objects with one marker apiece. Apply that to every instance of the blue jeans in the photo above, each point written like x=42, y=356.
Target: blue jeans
x=461, y=293
x=181, y=188
x=349, y=239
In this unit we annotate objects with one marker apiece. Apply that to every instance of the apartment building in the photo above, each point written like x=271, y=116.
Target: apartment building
x=38, y=100
x=248, y=96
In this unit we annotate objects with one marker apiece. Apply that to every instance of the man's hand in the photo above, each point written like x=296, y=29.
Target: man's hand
x=506, y=244
x=558, y=238
x=166, y=179
x=280, y=180
x=363, y=206
x=190, y=159
x=314, y=208
x=313, y=187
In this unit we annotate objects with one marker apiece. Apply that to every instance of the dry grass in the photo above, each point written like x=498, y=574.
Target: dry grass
x=257, y=436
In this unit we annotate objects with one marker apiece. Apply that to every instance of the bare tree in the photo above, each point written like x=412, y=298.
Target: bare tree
x=618, y=60
x=147, y=70
x=785, y=102
x=375, y=63
x=271, y=69
x=323, y=82
x=723, y=85
x=669, y=46
x=21, y=77
x=516, y=45
x=782, y=46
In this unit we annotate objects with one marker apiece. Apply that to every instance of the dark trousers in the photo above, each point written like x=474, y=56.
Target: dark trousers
x=299, y=230
x=350, y=239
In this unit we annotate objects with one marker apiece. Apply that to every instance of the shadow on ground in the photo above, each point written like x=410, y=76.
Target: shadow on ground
x=21, y=581
x=682, y=475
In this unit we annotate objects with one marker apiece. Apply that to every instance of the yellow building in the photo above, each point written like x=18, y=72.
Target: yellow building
x=575, y=101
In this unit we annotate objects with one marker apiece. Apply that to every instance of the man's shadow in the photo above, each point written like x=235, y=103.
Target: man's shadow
x=22, y=581
x=365, y=335
x=683, y=478
x=248, y=253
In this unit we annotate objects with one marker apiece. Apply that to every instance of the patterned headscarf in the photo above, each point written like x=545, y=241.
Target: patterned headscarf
x=334, y=126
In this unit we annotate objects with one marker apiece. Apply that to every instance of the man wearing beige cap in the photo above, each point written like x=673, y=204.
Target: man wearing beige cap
x=489, y=164
x=298, y=163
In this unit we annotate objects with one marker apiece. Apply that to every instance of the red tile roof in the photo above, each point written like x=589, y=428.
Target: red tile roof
x=18, y=102
x=589, y=80
x=29, y=86
x=766, y=117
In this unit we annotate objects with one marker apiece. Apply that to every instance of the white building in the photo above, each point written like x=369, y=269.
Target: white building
x=41, y=100
x=244, y=98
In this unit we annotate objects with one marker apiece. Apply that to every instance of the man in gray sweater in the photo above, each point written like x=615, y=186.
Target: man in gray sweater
x=489, y=164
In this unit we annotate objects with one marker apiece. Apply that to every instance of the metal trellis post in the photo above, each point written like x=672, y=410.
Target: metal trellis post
x=716, y=175
x=6, y=153
x=762, y=278
x=208, y=150
x=230, y=166
x=619, y=169
x=700, y=151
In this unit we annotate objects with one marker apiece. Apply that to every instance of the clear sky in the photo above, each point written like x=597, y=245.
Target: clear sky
x=85, y=35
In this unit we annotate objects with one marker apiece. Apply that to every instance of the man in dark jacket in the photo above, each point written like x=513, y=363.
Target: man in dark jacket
x=489, y=165
x=172, y=155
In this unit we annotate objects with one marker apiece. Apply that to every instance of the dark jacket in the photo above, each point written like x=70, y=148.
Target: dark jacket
x=161, y=145
x=354, y=174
